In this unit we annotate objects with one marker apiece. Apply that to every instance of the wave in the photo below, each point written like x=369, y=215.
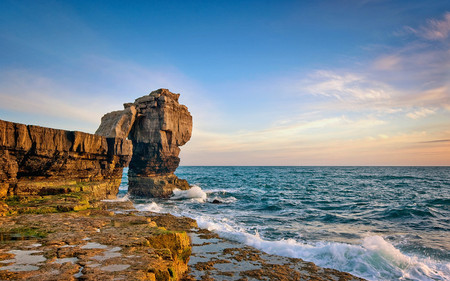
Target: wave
x=195, y=192
x=223, y=190
x=373, y=259
x=149, y=207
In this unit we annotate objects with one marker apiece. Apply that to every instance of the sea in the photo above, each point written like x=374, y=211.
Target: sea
x=379, y=223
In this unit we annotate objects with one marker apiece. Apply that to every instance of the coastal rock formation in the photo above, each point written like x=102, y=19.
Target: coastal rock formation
x=160, y=126
x=117, y=124
x=37, y=160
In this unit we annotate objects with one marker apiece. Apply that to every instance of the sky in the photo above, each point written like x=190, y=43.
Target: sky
x=267, y=82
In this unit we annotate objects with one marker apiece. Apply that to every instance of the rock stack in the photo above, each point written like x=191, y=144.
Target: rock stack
x=157, y=125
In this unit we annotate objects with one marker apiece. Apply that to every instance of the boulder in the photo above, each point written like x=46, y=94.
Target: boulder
x=117, y=124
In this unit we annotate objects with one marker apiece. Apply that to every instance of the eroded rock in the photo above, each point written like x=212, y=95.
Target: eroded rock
x=117, y=124
x=36, y=160
x=160, y=126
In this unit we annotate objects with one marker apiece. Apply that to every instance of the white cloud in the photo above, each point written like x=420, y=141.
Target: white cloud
x=437, y=29
x=79, y=104
x=423, y=112
x=389, y=62
x=27, y=93
x=434, y=29
x=345, y=87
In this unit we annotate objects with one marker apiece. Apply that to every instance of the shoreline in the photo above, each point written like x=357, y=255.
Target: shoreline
x=217, y=258
x=110, y=239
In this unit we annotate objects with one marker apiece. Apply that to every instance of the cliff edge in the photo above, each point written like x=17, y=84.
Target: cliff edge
x=41, y=161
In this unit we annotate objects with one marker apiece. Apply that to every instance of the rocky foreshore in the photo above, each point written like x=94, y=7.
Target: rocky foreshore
x=69, y=237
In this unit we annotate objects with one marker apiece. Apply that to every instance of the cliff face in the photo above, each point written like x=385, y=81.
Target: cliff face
x=38, y=160
x=159, y=126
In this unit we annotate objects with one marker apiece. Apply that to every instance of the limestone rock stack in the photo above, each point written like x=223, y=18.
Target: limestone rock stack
x=157, y=125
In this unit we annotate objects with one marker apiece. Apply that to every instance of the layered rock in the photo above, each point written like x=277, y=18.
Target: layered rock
x=36, y=161
x=160, y=126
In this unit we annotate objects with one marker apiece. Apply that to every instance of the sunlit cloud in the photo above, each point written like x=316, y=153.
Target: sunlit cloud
x=434, y=29
x=437, y=29
x=345, y=87
x=390, y=62
x=423, y=112
x=81, y=104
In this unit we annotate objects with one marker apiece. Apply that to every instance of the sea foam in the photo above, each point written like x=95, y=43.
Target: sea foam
x=195, y=192
x=373, y=259
x=149, y=207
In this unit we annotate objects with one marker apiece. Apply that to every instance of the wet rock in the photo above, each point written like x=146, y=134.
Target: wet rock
x=95, y=244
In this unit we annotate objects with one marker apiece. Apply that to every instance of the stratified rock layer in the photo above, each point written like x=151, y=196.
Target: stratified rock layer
x=160, y=126
x=38, y=160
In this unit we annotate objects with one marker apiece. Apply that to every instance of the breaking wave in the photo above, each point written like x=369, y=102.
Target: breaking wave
x=195, y=192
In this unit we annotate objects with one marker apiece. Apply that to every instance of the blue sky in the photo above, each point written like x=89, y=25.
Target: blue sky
x=267, y=82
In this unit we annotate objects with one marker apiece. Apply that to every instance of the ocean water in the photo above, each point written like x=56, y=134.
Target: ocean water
x=380, y=223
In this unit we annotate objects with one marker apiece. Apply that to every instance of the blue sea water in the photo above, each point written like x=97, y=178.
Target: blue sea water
x=380, y=223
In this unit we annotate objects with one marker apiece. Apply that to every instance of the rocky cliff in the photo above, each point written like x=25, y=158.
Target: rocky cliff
x=157, y=125
x=37, y=161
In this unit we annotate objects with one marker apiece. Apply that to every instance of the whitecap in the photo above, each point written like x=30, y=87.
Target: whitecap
x=149, y=207
x=195, y=192
x=226, y=200
x=373, y=259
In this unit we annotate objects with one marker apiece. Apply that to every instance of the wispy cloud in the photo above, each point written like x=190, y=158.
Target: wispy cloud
x=79, y=104
x=435, y=141
x=423, y=112
x=434, y=29
x=27, y=93
x=344, y=86
x=389, y=62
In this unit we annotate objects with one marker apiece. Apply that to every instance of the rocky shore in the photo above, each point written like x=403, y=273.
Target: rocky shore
x=69, y=237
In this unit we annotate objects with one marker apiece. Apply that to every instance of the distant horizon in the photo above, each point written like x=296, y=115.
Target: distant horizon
x=324, y=83
x=307, y=166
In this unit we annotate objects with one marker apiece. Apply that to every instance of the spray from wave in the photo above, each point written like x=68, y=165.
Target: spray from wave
x=149, y=207
x=195, y=192
x=374, y=259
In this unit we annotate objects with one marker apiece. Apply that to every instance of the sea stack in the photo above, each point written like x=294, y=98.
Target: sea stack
x=157, y=125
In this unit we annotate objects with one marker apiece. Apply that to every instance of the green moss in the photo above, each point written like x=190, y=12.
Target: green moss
x=67, y=202
x=38, y=210
x=184, y=256
x=22, y=232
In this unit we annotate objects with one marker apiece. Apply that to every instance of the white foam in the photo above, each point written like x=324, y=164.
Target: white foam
x=195, y=192
x=149, y=207
x=374, y=259
x=227, y=200
x=222, y=190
